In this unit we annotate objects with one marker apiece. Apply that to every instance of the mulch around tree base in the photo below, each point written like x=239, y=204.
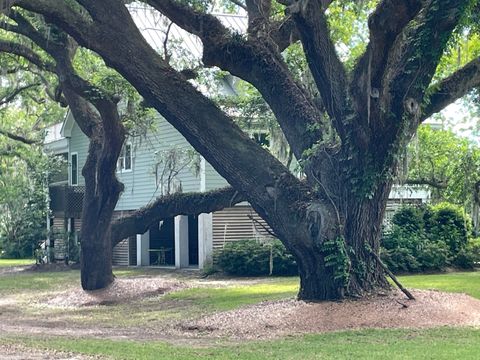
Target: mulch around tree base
x=290, y=317
x=121, y=291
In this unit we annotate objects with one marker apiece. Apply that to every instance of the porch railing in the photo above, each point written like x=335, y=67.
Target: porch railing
x=67, y=199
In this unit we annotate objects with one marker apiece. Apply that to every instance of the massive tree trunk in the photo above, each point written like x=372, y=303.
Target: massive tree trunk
x=340, y=262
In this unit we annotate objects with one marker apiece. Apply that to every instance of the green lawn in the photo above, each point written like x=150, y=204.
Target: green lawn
x=228, y=298
x=23, y=282
x=27, y=282
x=462, y=282
x=443, y=343
x=16, y=262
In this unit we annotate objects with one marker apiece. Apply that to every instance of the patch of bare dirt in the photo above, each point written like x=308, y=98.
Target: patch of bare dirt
x=290, y=317
x=122, y=290
x=18, y=352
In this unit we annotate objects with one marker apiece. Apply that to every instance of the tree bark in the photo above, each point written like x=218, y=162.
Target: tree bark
x=102, y=191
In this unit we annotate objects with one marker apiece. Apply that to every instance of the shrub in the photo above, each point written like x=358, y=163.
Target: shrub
x=473, y=246
x=409, y=218
x=433, y=255
x=244, y=258
x=283, y=261
x=428, y=239
x=401, y=244
x=400, y=259
x=469, y=257
x=448, y=223
x=400, y=237
x=252, y=258
x=464, y=259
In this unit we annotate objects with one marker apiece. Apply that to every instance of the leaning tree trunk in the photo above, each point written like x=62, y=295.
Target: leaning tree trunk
x=102, y=191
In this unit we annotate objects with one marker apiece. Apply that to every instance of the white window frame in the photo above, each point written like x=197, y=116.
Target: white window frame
x=121, y=158
x=72, y=182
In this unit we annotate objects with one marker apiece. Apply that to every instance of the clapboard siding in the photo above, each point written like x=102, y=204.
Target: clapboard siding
x=233, y=224
x=140, y=182
x=132, y=250
x=120, y=253
x=79, y=143
x=213, y=180
x=125, y=250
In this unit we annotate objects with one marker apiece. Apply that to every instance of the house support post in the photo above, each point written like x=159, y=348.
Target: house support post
x=205, y=239
x=143, y=244
x=181, y=241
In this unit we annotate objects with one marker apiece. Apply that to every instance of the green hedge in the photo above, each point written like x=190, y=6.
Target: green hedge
x=252, y=258
x=429, y=238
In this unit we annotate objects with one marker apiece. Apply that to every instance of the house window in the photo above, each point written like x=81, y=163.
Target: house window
x=125, y=158
x=74, y=168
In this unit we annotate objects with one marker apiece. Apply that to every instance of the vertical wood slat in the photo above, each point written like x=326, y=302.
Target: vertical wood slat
x=124, y=251
x=120, y=255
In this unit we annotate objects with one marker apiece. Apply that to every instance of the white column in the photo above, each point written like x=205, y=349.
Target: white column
x=181, y=241
x=205, y=239
x=203, y=174
x=143, y=244
x=139, y=249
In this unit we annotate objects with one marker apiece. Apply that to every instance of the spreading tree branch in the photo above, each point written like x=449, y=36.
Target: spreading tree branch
x=10, y=97
x=327, y=69
x=258, y=15
x=284, y=33
x=452, y=88
x=411, y=65
x=385, y=23
x=19, y=138
x=414, y=58
x=239, y=4
x=172, y=205
x=25, y=52
x=63, y=15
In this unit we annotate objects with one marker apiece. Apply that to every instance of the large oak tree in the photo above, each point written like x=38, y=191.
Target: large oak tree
x=331, y=221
